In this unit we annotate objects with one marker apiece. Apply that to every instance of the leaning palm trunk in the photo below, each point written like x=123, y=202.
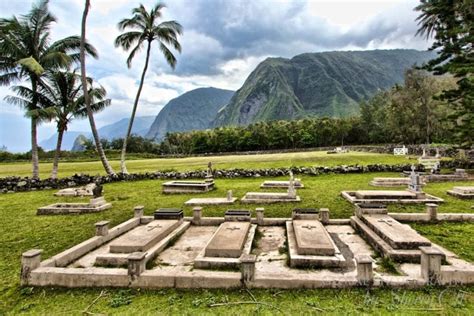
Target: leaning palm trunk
x=54, y=173
x=34, y=148
x=82, y=58
x=123, y=167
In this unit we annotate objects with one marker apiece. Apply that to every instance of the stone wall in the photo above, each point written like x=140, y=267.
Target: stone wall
x=17, y=184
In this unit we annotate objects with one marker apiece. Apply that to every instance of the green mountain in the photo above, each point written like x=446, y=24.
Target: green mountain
x=316, y=84
x=193, y=110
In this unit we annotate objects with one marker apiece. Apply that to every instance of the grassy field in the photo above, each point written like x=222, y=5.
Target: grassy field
x=314, y=158
x=21, y=230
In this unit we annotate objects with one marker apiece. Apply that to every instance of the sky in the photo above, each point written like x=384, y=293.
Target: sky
x=223, y=41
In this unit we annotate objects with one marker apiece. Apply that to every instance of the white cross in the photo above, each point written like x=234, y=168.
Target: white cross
x=386, y=221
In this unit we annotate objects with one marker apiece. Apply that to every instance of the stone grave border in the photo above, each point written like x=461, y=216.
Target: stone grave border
x=55, y=271
x=350, y=196
x=95, y=205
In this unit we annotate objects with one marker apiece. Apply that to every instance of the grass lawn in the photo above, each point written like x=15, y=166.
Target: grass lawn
x=314, y=158
x=21, y=230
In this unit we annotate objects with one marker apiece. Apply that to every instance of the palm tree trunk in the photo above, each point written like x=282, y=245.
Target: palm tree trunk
x=123, y=167
x=54, y=173
x=34, y=148
x=98, y=145
x=34, y=132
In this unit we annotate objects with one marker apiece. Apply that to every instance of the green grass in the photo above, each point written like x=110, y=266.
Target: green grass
x=21, y=230
x=314, y=158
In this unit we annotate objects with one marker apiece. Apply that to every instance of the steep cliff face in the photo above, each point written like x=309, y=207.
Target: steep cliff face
x=316, y=84
x=194, y=110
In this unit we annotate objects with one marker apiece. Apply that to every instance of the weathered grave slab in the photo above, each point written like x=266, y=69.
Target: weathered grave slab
x=384, y=194
x=465, y=192
x=188, y=186
x=312, y=238
x=272, y=184
x=269, y=197
x=95, y=205
x=229, y=240
x=87, y=190
x=143, y=237
x=399, y=236
x=210, y=201
x=389, y=182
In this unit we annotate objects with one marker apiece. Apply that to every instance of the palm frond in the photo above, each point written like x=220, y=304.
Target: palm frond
x=169, y=57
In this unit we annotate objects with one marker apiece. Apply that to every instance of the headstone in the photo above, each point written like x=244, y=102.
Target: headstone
x=438, y=155
x=229, y=240
x=229, y=195
x=415, y=181
x=143, y=237
x=312, y=238
x=168, y=213
x=424, y=153
x=97, y=190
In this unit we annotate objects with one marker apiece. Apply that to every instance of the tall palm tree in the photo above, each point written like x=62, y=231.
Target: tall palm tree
x=61, y=99
x=145, y=29
x=87, y=99
x=26, y=52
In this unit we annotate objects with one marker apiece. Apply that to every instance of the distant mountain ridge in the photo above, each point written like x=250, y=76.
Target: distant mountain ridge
x=193, y=110
x=316, y=84
x=141, y=125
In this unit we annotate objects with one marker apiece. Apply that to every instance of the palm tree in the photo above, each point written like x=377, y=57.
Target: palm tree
x=87, y=99
x=61, y=99
x=26, y=52
x=144, y=29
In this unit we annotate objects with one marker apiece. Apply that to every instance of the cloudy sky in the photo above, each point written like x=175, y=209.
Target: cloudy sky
x=222, y=43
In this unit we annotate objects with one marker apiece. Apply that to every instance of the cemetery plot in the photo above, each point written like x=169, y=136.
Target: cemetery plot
x=188, y=186
x=270, y=184
x=227, y=245
x=95, y=205
x=212, y=201
x=389, y=182
x=310, y=245
x=87, y=190
x=462, y=192
x=391, y=238
x=385, y=196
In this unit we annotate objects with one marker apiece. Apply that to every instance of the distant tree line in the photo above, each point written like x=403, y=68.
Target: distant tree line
x=411, y=113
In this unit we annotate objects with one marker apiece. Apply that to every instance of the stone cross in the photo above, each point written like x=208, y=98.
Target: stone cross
x=424, y=153
x=209, y=169
x=309, y=227
x=151, y=227
x=229, y=195
x=233, y=228
x=291, y=189
x=383, y=220
x=292, y=177
x=438, y=155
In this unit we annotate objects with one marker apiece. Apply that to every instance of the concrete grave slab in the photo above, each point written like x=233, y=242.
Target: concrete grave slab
x=273, y=184
x=397, y=235
x=143, y=237
x=268, y=197
x=297, y=260
x=210, y=201
x=466, y=192
x=95, y=205
x=228, y=241
x=389, y=182
x=184, y=187
x=312, y=238
x=386, y=196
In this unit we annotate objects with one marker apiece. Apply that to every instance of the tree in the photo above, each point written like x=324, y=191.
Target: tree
x=61, y=99
x=144, y=29
x=26, y=53
x=451, y=24
x=87, y=101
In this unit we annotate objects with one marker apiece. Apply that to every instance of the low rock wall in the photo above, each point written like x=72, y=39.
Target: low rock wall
x=18, y=184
